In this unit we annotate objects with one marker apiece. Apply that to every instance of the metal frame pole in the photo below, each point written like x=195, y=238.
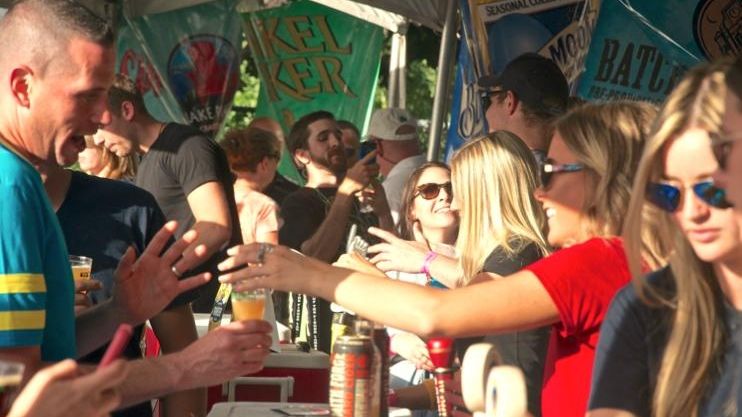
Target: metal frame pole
x=441, y=84
x=393, y=92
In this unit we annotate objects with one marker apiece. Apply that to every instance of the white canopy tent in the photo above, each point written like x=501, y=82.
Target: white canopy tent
x=430, y=13
x=393, y=15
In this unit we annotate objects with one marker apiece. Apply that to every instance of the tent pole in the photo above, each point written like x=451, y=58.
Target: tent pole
x=441, y=84
x=402, y=80
x=393, y=92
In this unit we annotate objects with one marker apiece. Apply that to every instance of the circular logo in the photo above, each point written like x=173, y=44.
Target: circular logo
x=718, y=28
x=203, y=71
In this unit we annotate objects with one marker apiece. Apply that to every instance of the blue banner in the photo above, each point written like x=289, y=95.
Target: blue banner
x=642, y=52
x=496, y=31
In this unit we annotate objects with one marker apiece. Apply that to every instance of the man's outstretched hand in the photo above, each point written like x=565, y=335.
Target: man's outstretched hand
x=146, y=285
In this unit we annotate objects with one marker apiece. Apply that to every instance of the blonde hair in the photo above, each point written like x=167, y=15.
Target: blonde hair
x=494, y=178
x=115, y=167
x=697, y=338
x=607, y=138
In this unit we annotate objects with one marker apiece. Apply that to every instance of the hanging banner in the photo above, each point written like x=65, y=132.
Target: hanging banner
x=641, y=50
x=185, y=62
x=467, y=114
x=311, y=57
x=497, y=31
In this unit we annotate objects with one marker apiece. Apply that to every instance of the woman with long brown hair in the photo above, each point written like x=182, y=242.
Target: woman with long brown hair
x=425, y=217
x=671, y=344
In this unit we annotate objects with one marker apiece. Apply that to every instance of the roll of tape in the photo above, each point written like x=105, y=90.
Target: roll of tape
x=478, y=361
x=507, y=392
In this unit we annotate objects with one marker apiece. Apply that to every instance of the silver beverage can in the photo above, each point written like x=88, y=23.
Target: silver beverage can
x=351, y=377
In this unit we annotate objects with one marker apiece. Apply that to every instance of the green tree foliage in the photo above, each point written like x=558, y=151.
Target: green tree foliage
x=246, y=98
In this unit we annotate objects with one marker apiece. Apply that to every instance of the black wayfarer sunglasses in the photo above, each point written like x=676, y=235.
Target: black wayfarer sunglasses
x=431, y=190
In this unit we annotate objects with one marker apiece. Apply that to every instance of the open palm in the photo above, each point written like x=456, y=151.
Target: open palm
x=146, y=285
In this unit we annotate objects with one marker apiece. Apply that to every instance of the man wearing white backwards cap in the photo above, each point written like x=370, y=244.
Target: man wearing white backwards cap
x=398, y=151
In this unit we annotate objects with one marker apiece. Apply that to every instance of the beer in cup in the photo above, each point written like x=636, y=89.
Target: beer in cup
x=82, y=267
x=249, y=305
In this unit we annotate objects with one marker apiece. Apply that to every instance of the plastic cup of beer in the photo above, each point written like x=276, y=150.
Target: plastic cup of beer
x=249, y=305
x=82, y=267
x=11, y=375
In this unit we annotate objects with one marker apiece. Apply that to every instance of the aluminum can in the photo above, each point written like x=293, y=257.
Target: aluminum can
x=351, y=377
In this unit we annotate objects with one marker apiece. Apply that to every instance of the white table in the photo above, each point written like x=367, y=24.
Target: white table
x=256, y=409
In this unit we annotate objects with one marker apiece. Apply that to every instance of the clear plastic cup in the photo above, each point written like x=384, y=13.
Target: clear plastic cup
x=82, y=267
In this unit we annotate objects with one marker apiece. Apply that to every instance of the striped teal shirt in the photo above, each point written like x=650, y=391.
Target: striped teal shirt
x=36, y=286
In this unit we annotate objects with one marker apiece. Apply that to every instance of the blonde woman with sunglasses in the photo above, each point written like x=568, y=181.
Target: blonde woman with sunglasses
x=592, y=160
x=671, y=344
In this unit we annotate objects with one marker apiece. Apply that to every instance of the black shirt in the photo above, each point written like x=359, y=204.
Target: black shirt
x=632, y=343
x=280, y=188
x=180, y=160
x=100, y=219
x=526, y=349
x=303, y=212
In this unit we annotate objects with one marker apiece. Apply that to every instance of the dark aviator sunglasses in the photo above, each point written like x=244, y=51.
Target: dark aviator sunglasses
x=431, y=190
x=667, y=197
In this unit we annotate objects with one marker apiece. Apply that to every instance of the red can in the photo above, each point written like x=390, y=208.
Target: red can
x=441, y=352
x=351, y=377
x=442, y=355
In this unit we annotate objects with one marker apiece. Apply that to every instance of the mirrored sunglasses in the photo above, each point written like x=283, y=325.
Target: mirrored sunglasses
x=667, y=197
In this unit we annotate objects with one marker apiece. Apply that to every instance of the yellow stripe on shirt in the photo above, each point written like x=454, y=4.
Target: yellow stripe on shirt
x=22, y=283
x=22, y=320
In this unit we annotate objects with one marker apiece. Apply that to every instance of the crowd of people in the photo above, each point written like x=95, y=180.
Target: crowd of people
x=597, y=246
x=620, y=295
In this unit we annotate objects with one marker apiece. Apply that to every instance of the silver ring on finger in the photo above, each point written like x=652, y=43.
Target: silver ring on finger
x=176, y=272
x=264, y=249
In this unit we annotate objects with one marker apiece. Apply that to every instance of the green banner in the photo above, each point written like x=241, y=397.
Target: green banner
x=185, y=62
x=311, y=57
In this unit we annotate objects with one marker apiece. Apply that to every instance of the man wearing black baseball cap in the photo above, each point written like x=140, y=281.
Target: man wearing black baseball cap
x=529, y=93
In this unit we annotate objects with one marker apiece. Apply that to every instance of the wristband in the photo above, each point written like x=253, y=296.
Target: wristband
x=426, y=263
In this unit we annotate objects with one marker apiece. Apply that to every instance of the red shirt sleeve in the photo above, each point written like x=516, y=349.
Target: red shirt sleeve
x=582, y=280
